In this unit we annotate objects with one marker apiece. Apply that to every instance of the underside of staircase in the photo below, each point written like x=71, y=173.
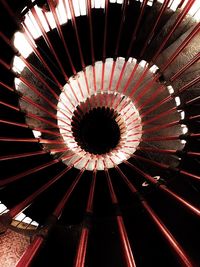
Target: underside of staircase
x=113, y=176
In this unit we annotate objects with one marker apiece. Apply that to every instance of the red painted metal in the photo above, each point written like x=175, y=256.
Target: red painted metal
x=7, y=41
x=184, y=43
x=157, y=150
x=30, y=253
x=6, y=86
x=10, y=139
x=86, y=81
x=70, y=155
x=49, y=44
x=145, y=88
x=180, y=200
x=14, y=178
x=31, y=68
x=79, y=86
x=23, y=125
x=58, y=210
x=76, y=32
x=102, y=76
x=5, y=65
x=189, y=102
x=191, y=153
x=143, y=6
x=195, y=135
x=94, y=78
x=175, y=246
x=130, y=261
x=174, y=27
x=78, y=42
x=121, y=76
x=185, y=67
x=82, y=247
x=89, y=8
x=168, y=98
x=175, y=54
x=181, y=3
x=48, y=122
x=158, y=164
x=31, y=42
x=58, y=27
x=89, y=11
x=156, y=93
x=105, y=31
x=26, y=202
x=158, y=116
x=80, y=259
x=30, y=101
x=154, y=129
x=111, y=189
x=33, y=116
x=34, y=89
x=26, y=82
x=157, y=105
x=138, y=83
x=48, y=131
x=112, y=75
x=124, y=7
x=22, y=155
x=130, y=78
x=46, y=19
x=166, y=190
x=9, y=106
x=166, y=65
x=47, y=141
x=196, y=117
x=65, y=8
x=91, y=194
x=65, y=45
x=152, y=32
x=168, y=151
x=189, y=84
x=104, y=45
x=11, y=14
x=128, y=254
x=165, y=166
x=81, y=252
x=189, y=174
x=29, y=140
x=38, y=76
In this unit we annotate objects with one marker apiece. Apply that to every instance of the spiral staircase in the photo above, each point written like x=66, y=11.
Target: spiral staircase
x=99, y=131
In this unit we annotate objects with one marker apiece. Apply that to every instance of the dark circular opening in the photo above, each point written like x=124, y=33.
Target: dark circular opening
x=96, y=131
